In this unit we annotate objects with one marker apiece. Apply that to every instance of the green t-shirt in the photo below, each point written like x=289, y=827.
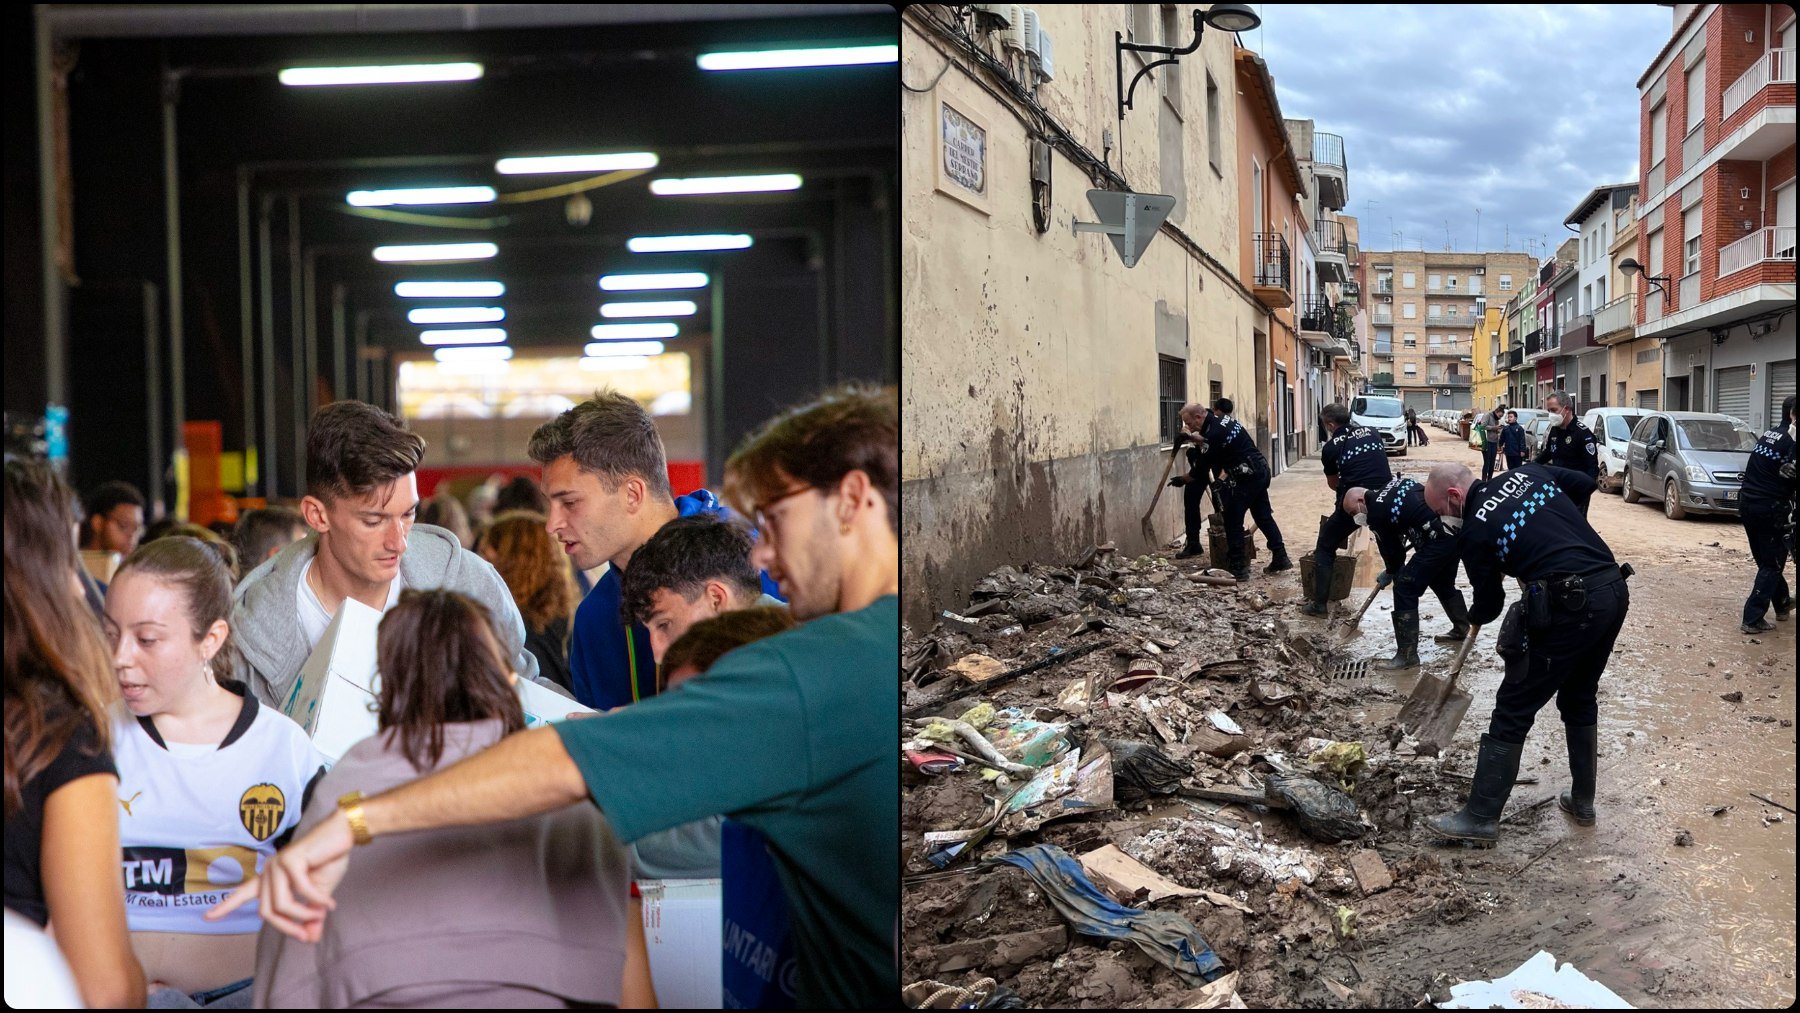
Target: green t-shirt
x=792, y=735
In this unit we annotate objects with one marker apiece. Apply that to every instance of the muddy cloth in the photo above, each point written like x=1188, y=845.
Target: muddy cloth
x=1399, y=516
x=1526, y=524
x=1321, y=811
x=1141, y=770
x=1762, y=476
x=1572, y=447
x=1168, y=939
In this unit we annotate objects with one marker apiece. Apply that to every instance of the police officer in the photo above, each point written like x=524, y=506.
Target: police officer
x=1228, y=449
x=1195, y=482
x=1353, y=458
x=1556, y=640
x=1767, y=500
x=1569, y=444
x=1398, y=516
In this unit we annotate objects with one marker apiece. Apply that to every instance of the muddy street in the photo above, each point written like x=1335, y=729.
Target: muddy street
x=1682, y=895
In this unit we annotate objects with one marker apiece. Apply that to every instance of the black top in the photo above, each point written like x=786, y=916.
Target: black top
x=1512, y=439
x=1762, y=476
x=80, y=757
x=1354, y=454
x=547, y=645
x=1228, y=444
x=1527, y=524
x=1572, y=447
x=1399, y=510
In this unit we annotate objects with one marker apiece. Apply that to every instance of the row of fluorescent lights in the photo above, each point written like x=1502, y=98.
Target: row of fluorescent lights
x=774, y=182
x=421, y=73
x=612, y=340
x=444, y=253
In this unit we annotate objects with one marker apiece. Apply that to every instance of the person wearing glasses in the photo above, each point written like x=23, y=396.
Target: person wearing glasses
x=791, y=735
x=607, y=480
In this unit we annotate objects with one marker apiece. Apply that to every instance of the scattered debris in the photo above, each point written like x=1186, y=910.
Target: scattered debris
x=977, y=668
x=1732, y=697
x=1321, y=811
x=1129, y=880
x=1372, y=875
x=1140, y=770
x=1765, y=798
x=1684, y=839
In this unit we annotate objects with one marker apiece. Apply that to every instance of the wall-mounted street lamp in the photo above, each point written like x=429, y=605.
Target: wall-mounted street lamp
x=1224, y=17
x=1628, y=266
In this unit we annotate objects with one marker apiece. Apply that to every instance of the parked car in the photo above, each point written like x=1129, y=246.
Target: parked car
x=1385, y=415
x=1537, y=432
x=1612, y=432
x=1693, y=461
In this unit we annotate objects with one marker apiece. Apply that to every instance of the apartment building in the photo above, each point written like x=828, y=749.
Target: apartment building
x=1424, y=310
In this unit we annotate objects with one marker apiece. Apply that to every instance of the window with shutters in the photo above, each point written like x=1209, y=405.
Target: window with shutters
x=1412, y=369
x=1171, y=382
x=1506, y=283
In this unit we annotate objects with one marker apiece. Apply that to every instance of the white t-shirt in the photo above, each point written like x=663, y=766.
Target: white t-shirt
x=312, y=614
x=196, y=820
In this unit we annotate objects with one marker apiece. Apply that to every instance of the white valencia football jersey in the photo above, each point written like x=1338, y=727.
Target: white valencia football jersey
x=196, y=821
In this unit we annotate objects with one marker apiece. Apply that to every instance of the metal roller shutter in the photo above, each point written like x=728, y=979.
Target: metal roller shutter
x=1419, y=400
x=1649, y=399
x=1781, y=387
x=1733, y=393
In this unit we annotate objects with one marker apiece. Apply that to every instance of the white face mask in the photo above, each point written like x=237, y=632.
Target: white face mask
x=1362, y=520
x=1452, y=523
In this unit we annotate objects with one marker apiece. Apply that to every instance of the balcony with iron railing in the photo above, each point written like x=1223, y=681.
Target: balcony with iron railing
x=1534, y=342
x=1384, y=348
x=1383, y=315
x=1512, y=358
x=1331, y=245
x=1773, y=67
x=1615, y=319
x=1773, y=243
x=1316, y=315
x=1382, y=379
x=1352, y=292
x=1331, y=170
x=1273, y=270
x=1449, y=349
x=1384, y=285
x=1451, y=380
x=1578, y=333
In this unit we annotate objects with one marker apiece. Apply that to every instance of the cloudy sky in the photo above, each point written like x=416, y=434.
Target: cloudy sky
x=1516, y=110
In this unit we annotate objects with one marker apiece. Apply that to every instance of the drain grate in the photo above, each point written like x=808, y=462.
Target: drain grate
x=1351, y=670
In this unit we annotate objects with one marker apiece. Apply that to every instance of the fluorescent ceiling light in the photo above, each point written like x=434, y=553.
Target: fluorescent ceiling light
x=687, y=244
x=435, y=252
x=449, y=290
x=479, y=353
x=614, y=363
x=724, y=184
x=602, y=349
x=410, y=73
x=677, y=308
x=465, y=336
x=457, y=315
x=576, y=163
x=652, y=282
x=776, y=58
x=606, y=332
x=421, y=195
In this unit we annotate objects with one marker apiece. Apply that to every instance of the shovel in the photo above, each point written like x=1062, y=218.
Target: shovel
x=1436, y=707
x=1349, y=631
x=1168, y=469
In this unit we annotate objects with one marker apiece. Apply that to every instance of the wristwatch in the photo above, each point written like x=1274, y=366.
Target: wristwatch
x=352, y=806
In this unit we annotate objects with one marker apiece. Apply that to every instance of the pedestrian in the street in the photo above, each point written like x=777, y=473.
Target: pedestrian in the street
x=1399, y=517
x=1195, y=482
x=1491, y=424
x=1353, y=458
x=1768, y=498
x=1415, y=433
x=1228, y=449
x=1512, y=441
x=1569, y=444
x=1556, y=640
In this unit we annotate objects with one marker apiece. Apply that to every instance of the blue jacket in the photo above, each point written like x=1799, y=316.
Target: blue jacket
x=1512, y=439
x=607, y=669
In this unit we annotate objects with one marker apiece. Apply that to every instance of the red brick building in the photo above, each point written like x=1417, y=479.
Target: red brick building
x=1716, y=208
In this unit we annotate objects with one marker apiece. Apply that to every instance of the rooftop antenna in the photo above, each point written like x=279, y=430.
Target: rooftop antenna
x=1477, y=230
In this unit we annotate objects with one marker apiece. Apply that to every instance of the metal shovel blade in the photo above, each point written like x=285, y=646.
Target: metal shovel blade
x=1436, y=707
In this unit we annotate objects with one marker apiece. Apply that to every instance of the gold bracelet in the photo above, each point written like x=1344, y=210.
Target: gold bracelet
x=352, y=807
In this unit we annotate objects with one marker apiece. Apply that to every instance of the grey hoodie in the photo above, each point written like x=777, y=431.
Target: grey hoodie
x=265, y=623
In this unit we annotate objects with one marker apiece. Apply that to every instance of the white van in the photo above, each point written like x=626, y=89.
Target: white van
x=1612, y=435
x=1385, y=415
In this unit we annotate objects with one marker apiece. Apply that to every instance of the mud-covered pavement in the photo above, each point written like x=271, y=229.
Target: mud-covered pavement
x=1706, y=924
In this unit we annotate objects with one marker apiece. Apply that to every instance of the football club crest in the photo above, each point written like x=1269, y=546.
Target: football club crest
x=260, y=810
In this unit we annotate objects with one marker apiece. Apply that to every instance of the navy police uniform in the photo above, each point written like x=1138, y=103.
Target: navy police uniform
x=1244, y=473
x=1527, y=524
x=1399, y=517
x=1355, y=457
x=1573, y=447
x=1194, y=485
x=1767, y=497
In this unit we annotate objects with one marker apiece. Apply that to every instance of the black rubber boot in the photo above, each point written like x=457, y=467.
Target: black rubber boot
x=1584, y=759
x=1314, y=608
x=1279, y=563
x=1784, y=610
x=1458, y=612
x=1406, y=641
x=1191, y=549
x=1479, y=818
x=1760, y=626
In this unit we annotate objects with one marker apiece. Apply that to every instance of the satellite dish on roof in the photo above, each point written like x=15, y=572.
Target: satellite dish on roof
x=1129, y=219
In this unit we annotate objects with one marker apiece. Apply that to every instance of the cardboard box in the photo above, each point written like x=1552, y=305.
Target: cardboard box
x=333, y=698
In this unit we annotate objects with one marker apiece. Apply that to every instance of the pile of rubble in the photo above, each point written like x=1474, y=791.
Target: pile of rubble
x=1127, y=784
